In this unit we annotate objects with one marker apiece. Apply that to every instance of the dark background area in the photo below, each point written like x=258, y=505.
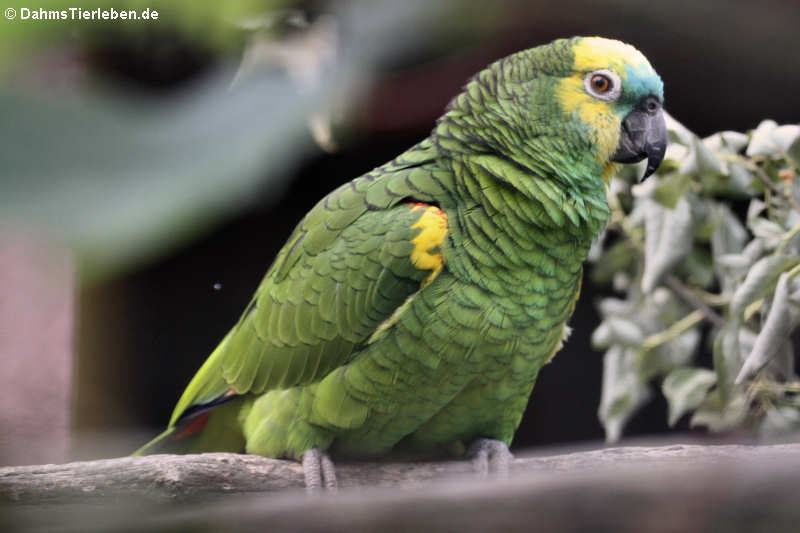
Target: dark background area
x=725, y=65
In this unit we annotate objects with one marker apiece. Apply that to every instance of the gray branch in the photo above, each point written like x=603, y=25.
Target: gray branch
x=668, y=488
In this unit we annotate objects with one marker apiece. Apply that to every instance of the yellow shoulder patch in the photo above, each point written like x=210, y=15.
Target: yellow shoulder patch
x=426, y=255
x=427, y=252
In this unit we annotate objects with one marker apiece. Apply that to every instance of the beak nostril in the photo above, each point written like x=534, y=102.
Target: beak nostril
x=652, y=105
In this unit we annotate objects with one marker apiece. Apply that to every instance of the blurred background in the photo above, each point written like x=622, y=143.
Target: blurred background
x=152, y=168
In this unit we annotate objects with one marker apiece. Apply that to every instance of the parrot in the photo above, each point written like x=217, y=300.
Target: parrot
x=409, y=313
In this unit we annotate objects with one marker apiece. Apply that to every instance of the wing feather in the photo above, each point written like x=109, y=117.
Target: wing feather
x=344, y=271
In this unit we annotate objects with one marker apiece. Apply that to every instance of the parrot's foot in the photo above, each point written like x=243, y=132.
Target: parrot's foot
x=490, y=457
x=319, y=471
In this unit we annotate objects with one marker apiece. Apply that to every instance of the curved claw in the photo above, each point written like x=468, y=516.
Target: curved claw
x=319, y=472
x=490, y=457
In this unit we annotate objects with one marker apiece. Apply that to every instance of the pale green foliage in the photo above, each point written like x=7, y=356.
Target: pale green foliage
x=687, y=263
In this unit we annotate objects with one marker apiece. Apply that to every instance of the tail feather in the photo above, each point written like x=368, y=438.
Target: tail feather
x=215, y=429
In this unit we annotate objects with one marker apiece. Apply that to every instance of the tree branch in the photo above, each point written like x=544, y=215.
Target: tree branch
x=668, y=488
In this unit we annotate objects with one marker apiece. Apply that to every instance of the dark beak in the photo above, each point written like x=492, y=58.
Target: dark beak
x=644, y=134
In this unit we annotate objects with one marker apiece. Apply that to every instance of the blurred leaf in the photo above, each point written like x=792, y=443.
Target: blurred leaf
x=773, y=334
x=726, y=141
x=729, y=235
x=204, y=23
x=671, y=188
x=126, y=179
x=786, y=136
x=616, y=258
x=741, y=179
x=768, y=231
x=698, y=268
x=761, y=142
x=759, y=281
x=678, y=133
x=668, y=240
x=707, y=160
x=685, y=389
x=780, y=420
x=727, y=360
x=617, y=330
x=667, y=356
x=623, y=393
x=717, y=416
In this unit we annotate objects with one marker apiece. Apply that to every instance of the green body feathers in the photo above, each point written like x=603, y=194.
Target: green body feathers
x=412, y=308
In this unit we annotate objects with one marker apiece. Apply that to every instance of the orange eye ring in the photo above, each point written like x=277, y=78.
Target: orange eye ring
x=601, y=83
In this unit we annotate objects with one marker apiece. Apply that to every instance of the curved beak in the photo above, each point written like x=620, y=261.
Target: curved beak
x=643, y=135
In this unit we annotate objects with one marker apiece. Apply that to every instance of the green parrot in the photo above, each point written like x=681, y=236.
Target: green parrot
x=412, y=308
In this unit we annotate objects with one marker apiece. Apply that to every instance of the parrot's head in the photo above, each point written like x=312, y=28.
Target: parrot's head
x=614, y=95
x=570, y=110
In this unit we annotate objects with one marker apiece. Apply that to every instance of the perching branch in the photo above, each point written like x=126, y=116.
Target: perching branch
x=668, y=488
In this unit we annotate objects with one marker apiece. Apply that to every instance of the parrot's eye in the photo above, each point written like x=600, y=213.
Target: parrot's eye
x=603, y=84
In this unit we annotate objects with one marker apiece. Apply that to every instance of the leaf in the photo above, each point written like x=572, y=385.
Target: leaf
x=773, y=334
x=685, y=389
x=727, y=358
x=671, y=188
x=786, y=135
x=698, y=268
x=707, y=160
x=668, y=240
x=678, y=132
x=729, y=235
x=780, y=421
x=759, y=281
x=614, y=306
x=623, y=393
x=720, y=417
x=761, y=141
x=741, y=179
x=617, y=330
x=771, y=233
x=616, y=258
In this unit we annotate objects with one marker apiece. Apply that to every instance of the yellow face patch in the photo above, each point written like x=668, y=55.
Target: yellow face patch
x=594, y=53
x=427, y=254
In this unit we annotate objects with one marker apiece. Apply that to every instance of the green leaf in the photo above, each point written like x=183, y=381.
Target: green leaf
x=759, y=281
x=771, y=233
x=773, y=334
x=727, y=359
x=718, y=416
x=616, y=258
x=617, y=330
x=786, y=136
x=729, y=235
x=741, y=179
x=762, y=142
x=685, y=389
x=678, y=133
x=671, y=188
x=623, y=393
x=780, y=421
x=668, y=240
x=707, y=160
x=698, y=268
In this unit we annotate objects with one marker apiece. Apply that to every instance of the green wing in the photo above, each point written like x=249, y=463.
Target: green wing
x=343, y=272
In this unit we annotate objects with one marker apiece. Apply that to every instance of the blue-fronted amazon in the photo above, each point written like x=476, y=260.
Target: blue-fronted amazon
x=413, y=307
